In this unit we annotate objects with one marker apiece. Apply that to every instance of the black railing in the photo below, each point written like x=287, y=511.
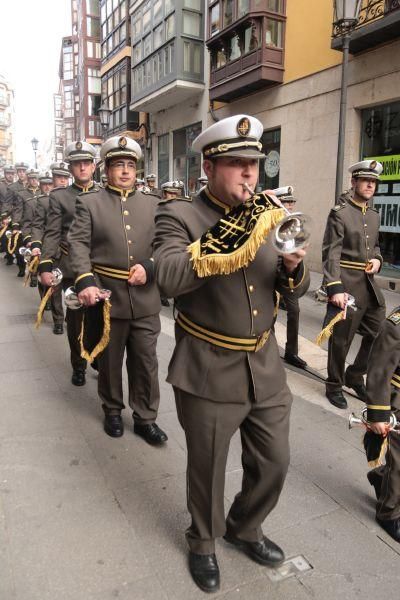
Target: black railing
x=371, y=10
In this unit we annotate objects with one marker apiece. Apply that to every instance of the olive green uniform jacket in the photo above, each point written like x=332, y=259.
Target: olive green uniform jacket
x=351, y=239
x=112, y=231
x=60, y=215
x=11, y=198
x=239, y=305
x=20, y=199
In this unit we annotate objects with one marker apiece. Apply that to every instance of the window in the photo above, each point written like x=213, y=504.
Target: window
x=157, y=10
x=275, y=6
x=234, y=48
x=146, y=17
x=186, y=162
x=197, y=50
x=243, y=7
x=273, y=33
x=137, y=53
x=193, y=4
x=270, y=166
x=94, y=81
x=170, y=27
x=251, y=39
x=192, y=58
x=228, y=12
x=191, y=23
x=169, y=5
x=93, y=27
x=94, y=101
x=136, y=26
x=186, y=56
x=220, y=59
x=147, y=45
x=163, y=158
x=214, y=19
x=93, y=7
x=158, y=36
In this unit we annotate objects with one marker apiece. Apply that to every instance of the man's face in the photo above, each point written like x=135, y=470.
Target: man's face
x=21, y=174
x=46, y=188
x=33, y=182
x=60, y=180
x=9, y=177
x=170, y=195
x=226, y=176
x=151, y=184
x=82, y=171
x=139, y=186
x=364, y=188
x=289, y=205
x=121, y=173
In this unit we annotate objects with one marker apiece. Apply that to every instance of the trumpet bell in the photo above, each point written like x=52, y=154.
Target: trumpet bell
x=8, y=234
x=26, y=253
x=71, y=299
x=292, y=233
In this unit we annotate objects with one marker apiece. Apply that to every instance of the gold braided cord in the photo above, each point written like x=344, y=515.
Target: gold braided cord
x=42, y=304
x=105, y=338
x=326, y=333
x=11, y=249
x=32, y=269
x=3, y=230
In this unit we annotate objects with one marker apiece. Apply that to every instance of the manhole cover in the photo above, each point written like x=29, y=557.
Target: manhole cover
x=291, y=566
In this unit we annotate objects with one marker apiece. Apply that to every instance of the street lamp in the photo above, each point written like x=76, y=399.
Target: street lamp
x=345, y=18
x=35, y=144
x=104, y=113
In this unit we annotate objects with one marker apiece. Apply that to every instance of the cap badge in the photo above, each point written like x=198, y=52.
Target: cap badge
x=372, y=164
x=62, y=165
x=78, y=145
x=243, y=127
x=122, y=142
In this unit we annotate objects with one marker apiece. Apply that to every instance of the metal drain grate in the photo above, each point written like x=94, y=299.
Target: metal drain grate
x=291, y=566
x=21, y=319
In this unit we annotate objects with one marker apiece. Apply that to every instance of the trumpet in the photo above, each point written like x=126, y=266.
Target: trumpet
x=26, y=253
x=73, y=303
x=293, y=232
x=355, y=421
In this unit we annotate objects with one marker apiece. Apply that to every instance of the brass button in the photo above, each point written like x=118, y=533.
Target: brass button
x=365, y=224
x=126, y=212
x=255, y=312
x=251, y=288
x=367, y=236
x=127, y=227
x=129, y=242
x=367, y=247
x=123, y=199
x=131, y=258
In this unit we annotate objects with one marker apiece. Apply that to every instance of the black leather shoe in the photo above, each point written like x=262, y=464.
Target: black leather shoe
x=58, y=329
x=337, y=399
x=21, y=273
x=78, y=377
x=360, y=390
x=265, y=552
x=33, y=282
x=391, y=527
x=9, y=261
x=296, y=361
x=376, y=481
x=164, y=301
x=151, y=433
x=113, y=425
x=95, y=364
x=205, y=571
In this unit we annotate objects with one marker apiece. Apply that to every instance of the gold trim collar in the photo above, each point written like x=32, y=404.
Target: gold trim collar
x=215, y=200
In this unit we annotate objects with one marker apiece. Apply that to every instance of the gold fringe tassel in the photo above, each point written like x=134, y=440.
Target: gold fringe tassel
x=224, y=264
x=379, y=461
x=326, y=333
x=105, y=338
x=2, y=231
x=42, y=304
x=32, y=269
x=11, y=249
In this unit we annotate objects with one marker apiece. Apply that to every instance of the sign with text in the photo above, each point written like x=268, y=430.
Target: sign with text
x=389, y=212
x=391, y=166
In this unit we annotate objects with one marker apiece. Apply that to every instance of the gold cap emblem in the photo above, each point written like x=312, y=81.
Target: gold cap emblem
x=78, y=145
x=122, y=142
x=243, y=127
x=373, y=164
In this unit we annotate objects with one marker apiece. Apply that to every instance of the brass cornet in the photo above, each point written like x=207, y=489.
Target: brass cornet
x=293, y=232
x=26, y=253
x=355, y=421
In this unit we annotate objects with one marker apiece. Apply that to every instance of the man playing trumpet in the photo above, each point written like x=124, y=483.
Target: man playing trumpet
x=213, y=257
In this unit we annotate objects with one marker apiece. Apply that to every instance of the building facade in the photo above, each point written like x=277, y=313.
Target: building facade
x=296, y=95
x=168, y=81
x=7, y=141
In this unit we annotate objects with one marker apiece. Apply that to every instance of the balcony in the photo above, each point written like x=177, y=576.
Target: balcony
x=378, y=23
x=247, y=49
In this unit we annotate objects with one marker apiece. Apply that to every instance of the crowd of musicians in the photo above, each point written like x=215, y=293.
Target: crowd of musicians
x=123, y=247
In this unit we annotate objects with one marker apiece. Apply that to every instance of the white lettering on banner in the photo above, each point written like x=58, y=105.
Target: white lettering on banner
x=389, y=212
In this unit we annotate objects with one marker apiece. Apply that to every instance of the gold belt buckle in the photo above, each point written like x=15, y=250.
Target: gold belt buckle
x=261, y=340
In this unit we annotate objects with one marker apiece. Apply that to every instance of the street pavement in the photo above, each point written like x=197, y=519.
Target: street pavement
x=87, y=517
